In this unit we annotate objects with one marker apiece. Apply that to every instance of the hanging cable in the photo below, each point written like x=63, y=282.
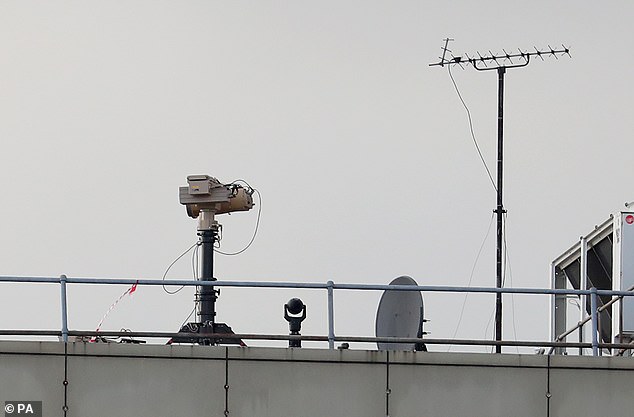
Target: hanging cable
x=195, y=261
x=475, y=263
x=172, y=264
x=187, y=319
x=257, y=222
x=507, y=264
x=486, y=329
x=475, y=142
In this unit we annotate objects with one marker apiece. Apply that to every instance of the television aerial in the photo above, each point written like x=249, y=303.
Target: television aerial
x=400, y=314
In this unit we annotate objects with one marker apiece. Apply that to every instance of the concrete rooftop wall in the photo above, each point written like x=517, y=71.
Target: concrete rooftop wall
x=136, y=380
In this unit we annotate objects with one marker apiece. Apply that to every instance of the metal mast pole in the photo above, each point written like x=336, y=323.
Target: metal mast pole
x=205, y=197
x=208, y=232
x=500, y=63
x=207, y=294
x=500, y=210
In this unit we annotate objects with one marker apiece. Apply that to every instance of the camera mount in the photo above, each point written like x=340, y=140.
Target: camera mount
x=204, y=197
x=294, y=314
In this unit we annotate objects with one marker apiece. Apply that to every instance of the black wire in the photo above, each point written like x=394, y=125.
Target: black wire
x=190, y=314
x=475, y=142
x=226, y=381
x=257, y=222
x=505, y=249
x=475, y=263
x=507, y=263
x=65, y=382
x=170, y=267
x=486, y=330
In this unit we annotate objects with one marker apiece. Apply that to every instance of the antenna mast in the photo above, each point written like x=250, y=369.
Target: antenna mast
x=500, y=63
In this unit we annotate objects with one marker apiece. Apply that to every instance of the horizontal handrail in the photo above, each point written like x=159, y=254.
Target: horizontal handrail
x=64, y=280
x=313, y=338
x=312, y=285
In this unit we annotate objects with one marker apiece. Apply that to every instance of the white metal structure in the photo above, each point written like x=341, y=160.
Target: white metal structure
x=602, y=259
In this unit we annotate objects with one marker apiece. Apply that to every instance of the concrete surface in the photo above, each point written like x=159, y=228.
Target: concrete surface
x=154, y=380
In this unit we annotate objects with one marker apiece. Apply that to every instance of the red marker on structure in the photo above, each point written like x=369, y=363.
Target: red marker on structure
x=129, y=292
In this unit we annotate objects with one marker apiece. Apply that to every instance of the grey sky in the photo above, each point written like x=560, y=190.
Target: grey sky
x=361, y=151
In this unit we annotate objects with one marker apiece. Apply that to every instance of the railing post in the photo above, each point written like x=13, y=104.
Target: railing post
x=583, y=285
x=595, y=321
x=62, y=282
x=331, y=316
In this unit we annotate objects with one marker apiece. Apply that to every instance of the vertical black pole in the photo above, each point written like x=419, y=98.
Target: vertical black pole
x=207, y=294
x=500, y=209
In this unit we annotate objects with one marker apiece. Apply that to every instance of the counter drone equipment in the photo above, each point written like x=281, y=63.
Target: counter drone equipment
x=204, y=197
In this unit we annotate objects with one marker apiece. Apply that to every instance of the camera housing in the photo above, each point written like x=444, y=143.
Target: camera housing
x=205, y=193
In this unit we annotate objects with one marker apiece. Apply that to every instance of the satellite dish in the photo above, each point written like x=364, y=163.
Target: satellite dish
x=400, y=314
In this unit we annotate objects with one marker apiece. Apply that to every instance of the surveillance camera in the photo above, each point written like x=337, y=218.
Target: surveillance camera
x=207, y=193
x=295, y=306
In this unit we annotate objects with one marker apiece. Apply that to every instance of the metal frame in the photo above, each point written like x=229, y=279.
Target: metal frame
x=621, y=276
x=558, y=311
x=583, y=285
x=579, y=253
x=330, y=288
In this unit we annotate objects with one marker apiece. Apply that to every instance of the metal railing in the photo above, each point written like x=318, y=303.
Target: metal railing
x=330, y=288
